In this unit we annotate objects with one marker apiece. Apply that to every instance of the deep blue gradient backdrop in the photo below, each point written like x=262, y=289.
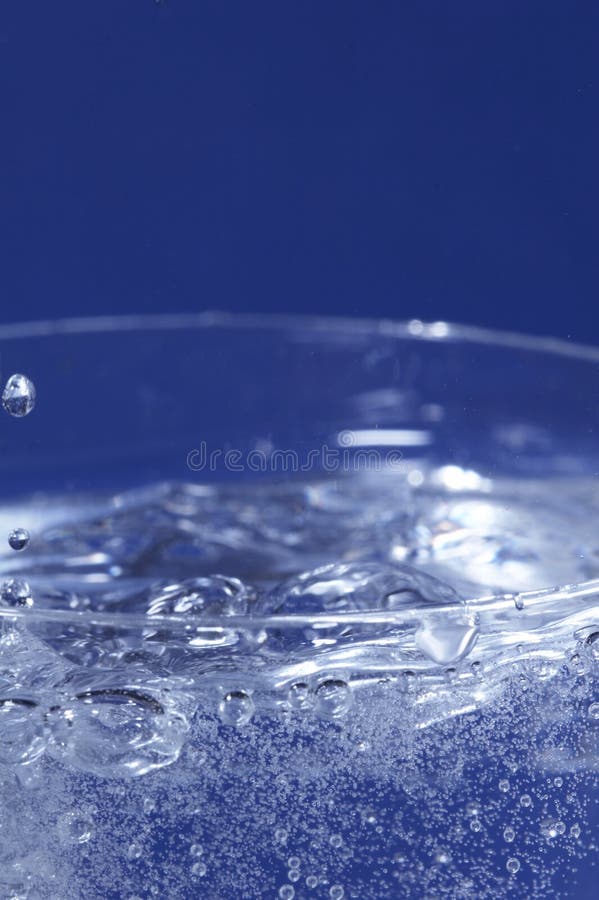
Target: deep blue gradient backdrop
x=384, y=159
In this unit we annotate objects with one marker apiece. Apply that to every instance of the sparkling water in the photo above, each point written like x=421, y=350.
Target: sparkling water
x=371, y=686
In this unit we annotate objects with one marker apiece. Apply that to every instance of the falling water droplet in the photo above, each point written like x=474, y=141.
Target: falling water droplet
x=18, y=397
x=18, y=538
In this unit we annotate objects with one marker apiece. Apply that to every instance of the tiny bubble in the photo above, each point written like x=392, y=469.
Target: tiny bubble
x=593, y=712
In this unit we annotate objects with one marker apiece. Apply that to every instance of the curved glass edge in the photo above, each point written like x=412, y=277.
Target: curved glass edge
x=492, y=606
x=416, y=329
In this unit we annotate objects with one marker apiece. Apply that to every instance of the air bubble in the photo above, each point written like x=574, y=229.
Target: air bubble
x=75, y=827
x=509, y=834
x=504, y=785
x=287, y=892
x=16, y=592
x=18, y=538
x=299, y=697
x=334, y=699
x=444, y=639
x=593, y=712
x=23, y=732
x=118, y=732
x=513, y=865
x=336, y=892
x=526, y=800
x=236, y=708
x=552, y=828
x=134, y=850
x=199, y=869
x=18, y=397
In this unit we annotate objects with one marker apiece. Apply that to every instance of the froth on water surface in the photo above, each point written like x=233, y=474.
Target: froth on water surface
x=377, y=679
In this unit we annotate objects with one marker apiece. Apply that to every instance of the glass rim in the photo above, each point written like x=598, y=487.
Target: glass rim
x=411, y=329
x=488, y=607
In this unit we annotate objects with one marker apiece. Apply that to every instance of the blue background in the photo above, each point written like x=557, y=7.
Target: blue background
x=383, y=159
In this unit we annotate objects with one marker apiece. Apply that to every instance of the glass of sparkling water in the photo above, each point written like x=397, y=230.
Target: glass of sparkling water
x=297, y=608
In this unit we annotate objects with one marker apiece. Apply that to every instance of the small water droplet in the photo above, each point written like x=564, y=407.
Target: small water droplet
x=16, y=592
x=334, y=699
x=519, y=604
x=149, y=805
x=18, y=538
x=18, y=397
x=236, y=708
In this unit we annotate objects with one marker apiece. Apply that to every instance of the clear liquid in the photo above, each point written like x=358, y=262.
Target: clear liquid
x=361, y=675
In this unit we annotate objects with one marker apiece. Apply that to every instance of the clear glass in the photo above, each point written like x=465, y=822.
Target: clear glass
x=389, y=747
